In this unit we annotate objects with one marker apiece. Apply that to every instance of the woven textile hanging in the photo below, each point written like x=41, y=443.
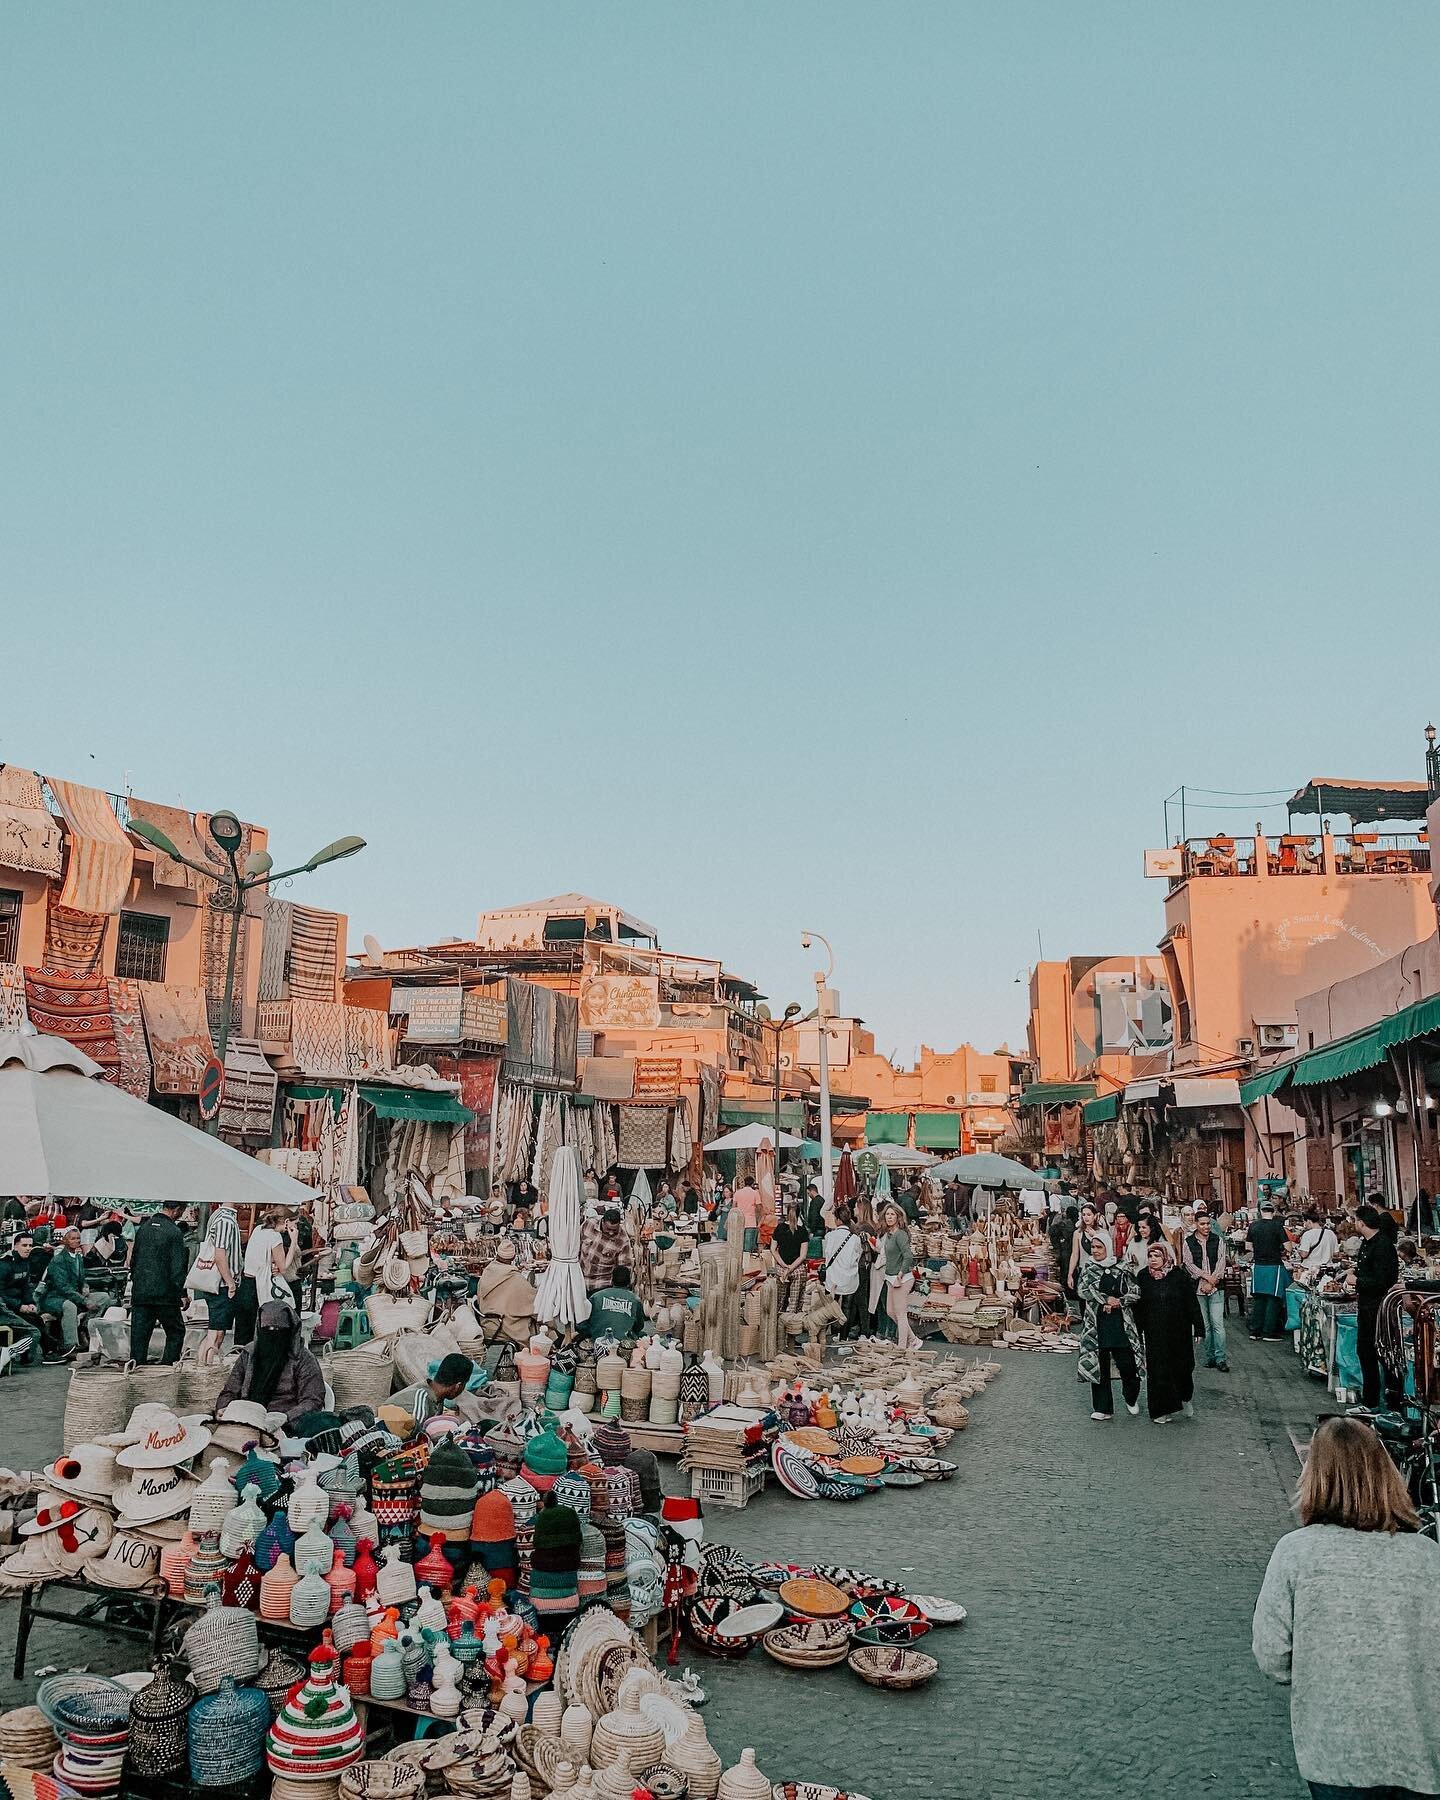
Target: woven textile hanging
x=30, y=835
x=179, y=1036
x=12, y=997
x=642, y=1137
x=99, y=857
x=275, y=951
x=74, y=941
x=214, y=957
x=129, y=1026
x=76, y=1008
x=314, y=954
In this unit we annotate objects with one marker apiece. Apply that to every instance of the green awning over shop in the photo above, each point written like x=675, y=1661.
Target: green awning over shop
x=1346, y=1056
x=937, y=1131
x=309, y=1090
x=741, y=1112
x=1415, y=1021
x=1270, y=1082
x=887, y=1128
x=1057, y=1093
x=1098, y=1111
x=423, y=1104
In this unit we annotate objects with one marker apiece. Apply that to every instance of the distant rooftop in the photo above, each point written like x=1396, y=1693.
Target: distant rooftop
x=563, y=918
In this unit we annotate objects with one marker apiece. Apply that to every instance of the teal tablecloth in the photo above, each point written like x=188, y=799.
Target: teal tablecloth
x=1347, y=1364
x=1294, y=1300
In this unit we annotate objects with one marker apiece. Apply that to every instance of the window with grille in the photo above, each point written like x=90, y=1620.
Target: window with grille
x=988, y=1084
x=140, y=948
x=10, y=901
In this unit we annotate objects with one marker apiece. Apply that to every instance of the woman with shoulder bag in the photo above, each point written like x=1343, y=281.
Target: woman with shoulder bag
x=214, y=1277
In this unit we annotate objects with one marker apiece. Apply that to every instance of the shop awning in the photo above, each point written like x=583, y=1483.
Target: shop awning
x=1057, y=1093
x=1098, y=1111
x=1362, y=802
x=937, y=1131
x=1192, y=1091
x=741, y=1112
x=887, y=1128
x=1414, y=1021
x=424, y=1105
x=1269, y=1082
x=1146, y=1089
x=1346, y=1056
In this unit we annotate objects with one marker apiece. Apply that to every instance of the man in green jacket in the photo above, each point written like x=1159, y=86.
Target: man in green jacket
x=62, y=1293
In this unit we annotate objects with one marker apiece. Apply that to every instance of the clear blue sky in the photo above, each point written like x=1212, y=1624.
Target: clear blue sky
x=793, y=465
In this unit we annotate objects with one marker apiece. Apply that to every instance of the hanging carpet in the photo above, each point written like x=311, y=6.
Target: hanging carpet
x=275, y=951
x=99, y=857
x=74, y=940
x=13, y=1016
x=30, y=836
x=642, y=1137
x=247, y=1108
x=314, y=954
x=657, y=1077
x=76, y=1008
x=179, y=1035
x=129, y=1025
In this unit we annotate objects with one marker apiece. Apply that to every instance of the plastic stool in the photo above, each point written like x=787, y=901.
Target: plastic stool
x=351, y=1328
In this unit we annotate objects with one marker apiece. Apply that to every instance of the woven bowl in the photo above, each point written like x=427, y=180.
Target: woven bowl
x=814, y=1599
x=382, y=1781
x=886, y=1666
x=817, y=1644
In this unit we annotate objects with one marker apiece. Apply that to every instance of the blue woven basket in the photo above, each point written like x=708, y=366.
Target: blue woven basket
x=226, y=1732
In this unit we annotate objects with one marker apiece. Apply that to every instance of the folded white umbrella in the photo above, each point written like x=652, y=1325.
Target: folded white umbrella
x=560, y=1296
x=65, y=1131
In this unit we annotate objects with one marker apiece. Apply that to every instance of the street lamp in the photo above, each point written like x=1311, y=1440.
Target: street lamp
x=776, y=1028
x=259, y=871
x=824, y=1004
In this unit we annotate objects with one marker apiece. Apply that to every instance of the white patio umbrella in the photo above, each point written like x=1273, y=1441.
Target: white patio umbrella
x=986, y=1169
x=560, y=1296
x=641, y=1195
x=750, y=1137
x=899, y=1156
x=65, y=1132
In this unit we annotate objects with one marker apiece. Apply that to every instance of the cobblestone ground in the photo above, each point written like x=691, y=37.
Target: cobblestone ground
x=1109, y=1572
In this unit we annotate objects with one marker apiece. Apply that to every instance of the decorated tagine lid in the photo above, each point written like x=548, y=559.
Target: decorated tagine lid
x=318, y=1732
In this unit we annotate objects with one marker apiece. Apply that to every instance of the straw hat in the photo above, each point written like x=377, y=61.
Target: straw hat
x=244, y=1422
x=56, y=1512
x=130, y=1561
x=161, y=1441
x=152, y=1494
x=88, y=1472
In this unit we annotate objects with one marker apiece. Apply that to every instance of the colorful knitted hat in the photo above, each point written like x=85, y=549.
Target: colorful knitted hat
x=545, y=1460
x=492, y=1535
x=448, y=1493
x=610, y=1443
x=555, y=1561
x=317, y=1733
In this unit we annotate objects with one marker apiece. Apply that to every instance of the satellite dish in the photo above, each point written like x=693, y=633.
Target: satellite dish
x=762, y=1011
x=374, y=955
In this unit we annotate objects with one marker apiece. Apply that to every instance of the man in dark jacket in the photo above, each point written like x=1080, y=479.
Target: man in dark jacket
x=18, y=1307
x=1268, y=1279
x=158, y=1264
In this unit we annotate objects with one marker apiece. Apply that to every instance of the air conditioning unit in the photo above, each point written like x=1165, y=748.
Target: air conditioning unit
x=1279, y=1037
x=1244, y=1046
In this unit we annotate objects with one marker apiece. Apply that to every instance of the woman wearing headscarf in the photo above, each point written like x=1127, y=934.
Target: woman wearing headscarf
x=1080, y=1244
x=1169, y=1318
x=1108, y=1333
x=276, y=1370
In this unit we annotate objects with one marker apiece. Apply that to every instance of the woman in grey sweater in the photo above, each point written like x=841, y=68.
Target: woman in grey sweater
x=1349, y=1617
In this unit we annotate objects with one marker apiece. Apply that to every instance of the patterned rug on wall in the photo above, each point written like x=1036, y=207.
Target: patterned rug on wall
x=76, y=1008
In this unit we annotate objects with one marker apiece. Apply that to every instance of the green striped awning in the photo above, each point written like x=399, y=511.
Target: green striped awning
x=426, y=1105
x=1098, y=1111
x=1057, y=1093
x=937, y=1131
x=1346, y=1056
x=1269, y=1081
x=887, y=1128
x=755, y=1112
x=1414, y=1021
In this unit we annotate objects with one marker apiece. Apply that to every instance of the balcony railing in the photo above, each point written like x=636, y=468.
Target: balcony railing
x=1299, y=853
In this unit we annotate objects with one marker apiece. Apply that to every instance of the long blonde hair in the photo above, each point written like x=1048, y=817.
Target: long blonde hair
x=1349, y=1480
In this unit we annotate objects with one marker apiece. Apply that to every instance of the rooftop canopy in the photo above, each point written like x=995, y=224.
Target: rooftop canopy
x=1362, y=802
